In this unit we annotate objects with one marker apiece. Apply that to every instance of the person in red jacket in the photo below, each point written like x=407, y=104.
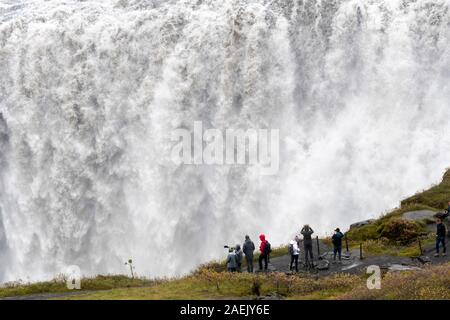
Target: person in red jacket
x=263, y=254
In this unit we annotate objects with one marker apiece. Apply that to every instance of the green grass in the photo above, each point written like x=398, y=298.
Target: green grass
x=431, y=283
x=58, y=285
x=213, y=285
x=382, y=247
x=374, y=230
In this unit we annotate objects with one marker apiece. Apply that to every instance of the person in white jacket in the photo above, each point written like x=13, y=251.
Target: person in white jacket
x=294, y=250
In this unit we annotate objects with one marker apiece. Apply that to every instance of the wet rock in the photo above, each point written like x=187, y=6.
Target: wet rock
x=271, y=268
x=271, y=296
x=325, y=255
x=424, y=259
x=441, y=215
x=401, y=267
x=361, y=223
x=351, y=266
x=419, y=215
x=323, y=265
x=346, y=256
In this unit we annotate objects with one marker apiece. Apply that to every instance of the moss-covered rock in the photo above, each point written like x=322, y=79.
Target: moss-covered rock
x=400, y=230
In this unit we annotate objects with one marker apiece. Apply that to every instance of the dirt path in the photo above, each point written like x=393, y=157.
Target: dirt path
x=47, y=296
x=351, y=262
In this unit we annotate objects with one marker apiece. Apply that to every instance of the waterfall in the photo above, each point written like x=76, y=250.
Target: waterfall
x=90, y=91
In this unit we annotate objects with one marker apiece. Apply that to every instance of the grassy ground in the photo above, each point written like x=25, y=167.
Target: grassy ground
x=384, y=247
x=375, y=230
x=58, y=285
x=100, y=282
x=212, y=285
x=431, y=283
x=205, y=283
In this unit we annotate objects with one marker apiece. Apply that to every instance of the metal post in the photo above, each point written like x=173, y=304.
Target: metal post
x=346, y=242
x=360, y=251
x=318, y=247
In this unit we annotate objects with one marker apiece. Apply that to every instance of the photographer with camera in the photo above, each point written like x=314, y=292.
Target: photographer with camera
x=307, y=232
x=232, y=260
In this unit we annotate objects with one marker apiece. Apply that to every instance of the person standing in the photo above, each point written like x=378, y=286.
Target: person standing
x=294, y=250
x=248, y=248
x=440, y=237
x=443, y=216
x=446, y=220
x=238, y=252
x=232, y=261
x=337, y=243
x=307, y=232
x=264, y=250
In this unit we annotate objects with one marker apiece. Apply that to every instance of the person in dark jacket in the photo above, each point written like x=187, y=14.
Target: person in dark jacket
x=263, y=254
x=440, y=237
x=238, y=252
x=443, y=216
x=307, y=243
x=446, y=219
x=248, y=248
x=337, y=243
x=232, y=261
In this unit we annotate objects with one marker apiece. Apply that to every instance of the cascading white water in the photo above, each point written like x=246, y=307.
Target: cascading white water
x=90, y=91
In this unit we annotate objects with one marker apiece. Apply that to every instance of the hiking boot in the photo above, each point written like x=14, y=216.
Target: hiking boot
x=436, y=255
x=443, y=254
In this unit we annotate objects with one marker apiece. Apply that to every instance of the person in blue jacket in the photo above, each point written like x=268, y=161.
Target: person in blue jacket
x=440, y=237
x=337, y=243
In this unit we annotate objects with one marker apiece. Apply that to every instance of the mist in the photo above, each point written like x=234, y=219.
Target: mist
x=90, y=92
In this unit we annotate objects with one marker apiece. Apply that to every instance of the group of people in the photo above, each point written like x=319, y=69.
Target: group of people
x=236, y=254
x=307, y=232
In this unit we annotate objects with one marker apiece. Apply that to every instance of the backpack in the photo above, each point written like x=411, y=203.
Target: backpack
x=267, y=248
x=291, y=249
